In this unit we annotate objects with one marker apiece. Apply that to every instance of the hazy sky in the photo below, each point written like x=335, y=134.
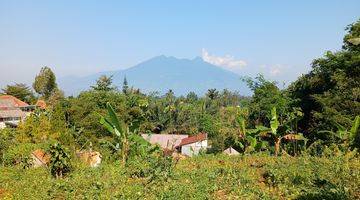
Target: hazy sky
x=280, y=38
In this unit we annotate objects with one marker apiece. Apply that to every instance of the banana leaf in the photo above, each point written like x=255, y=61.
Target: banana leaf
x=355, y=127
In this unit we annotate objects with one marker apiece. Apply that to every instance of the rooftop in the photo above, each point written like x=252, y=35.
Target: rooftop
x=166, y=141
x=8, y=101
x=192, y=139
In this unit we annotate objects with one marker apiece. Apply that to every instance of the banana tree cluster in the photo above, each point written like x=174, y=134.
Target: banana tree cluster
x=282, y=131
x=251, y=139
x=343, y=135
x=124, y=137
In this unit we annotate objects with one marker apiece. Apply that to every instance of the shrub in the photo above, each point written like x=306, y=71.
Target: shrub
x=20, y=154
x=59, y=161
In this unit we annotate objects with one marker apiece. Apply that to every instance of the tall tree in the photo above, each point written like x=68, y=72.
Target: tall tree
x=266, y=96
x=45, y=82
x=125, y=87
x=330, y=93
x=104, y=83
x=20, y=91
x=212, y=94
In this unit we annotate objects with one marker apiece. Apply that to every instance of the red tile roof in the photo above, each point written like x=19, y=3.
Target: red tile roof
x=192, y=139
x=7, y=101
x=41, y=104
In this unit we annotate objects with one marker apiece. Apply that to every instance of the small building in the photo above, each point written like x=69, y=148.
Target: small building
x=192, y=145
x=184, y=144
x=12, y=111
x=230, y=151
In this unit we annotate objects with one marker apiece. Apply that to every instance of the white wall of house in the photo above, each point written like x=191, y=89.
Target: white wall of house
x=194, y=148
x=2, y=125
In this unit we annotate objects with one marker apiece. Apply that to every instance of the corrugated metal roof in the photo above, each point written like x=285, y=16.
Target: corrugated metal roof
x=231, y=151
x=166, y=141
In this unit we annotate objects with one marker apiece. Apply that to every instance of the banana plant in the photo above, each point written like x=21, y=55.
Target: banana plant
x=278, y=136
x=117, y=128
x=249, y=138
x=345, y=135
x=124, y=137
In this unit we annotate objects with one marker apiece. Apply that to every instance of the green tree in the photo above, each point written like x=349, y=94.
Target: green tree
x=330, y=92
x=45, y=82
x=192, y=97
x=125, y=87
x=104, y=83
x=20, y=91
x=212, y=94
x=266, y=96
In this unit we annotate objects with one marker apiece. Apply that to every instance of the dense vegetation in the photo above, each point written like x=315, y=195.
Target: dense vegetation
x=300, y=142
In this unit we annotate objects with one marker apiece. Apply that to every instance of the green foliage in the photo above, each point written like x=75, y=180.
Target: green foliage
x=125, y=88
x=267, y=96
x=329, y=93
x=7, y=138
x=20, y=91
x=59, y=160
x=20, y=154
x=274, y=123
x=104, y=83
x=207, y=177
x=345, y=136
x=212, y=94
x=45, y=82
x=127, y=140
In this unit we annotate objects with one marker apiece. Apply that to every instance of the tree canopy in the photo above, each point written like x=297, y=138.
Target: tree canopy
x=45, y=82
x=20, y=91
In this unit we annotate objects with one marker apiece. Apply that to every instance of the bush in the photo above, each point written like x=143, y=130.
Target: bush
x=59, y=161
x=20, y=154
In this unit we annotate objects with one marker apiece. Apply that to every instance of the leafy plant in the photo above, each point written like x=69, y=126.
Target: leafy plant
x=123, y=136
x=343, y=135
x=250, y=138
x=119, y=129
x=59, y=161
x=281, y=131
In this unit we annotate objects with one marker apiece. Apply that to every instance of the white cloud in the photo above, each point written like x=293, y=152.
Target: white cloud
x=227, y=62
x=273, y=70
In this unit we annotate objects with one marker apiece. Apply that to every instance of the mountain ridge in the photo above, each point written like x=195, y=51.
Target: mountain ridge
x=162, y=73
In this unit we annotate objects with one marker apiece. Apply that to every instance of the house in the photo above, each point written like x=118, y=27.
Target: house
x=186, y=145
x=13, y=110
x=230, y=151
x=192, y=145
x=165, y=141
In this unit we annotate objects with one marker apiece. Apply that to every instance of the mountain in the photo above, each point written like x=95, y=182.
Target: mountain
x=162, y=73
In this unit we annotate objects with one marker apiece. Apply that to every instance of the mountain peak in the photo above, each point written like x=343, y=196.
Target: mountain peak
x=162, y=73
x=198, y=59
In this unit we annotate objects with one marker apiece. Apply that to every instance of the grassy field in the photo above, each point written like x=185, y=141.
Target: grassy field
x=206, y=177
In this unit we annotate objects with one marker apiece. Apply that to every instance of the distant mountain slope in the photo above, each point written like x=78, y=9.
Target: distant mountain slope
x=163, y=73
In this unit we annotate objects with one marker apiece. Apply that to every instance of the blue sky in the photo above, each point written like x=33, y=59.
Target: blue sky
x=277, y=38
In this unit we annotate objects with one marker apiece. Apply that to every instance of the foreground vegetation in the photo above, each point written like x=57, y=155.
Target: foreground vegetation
x=299, y=142
x=257, y=176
